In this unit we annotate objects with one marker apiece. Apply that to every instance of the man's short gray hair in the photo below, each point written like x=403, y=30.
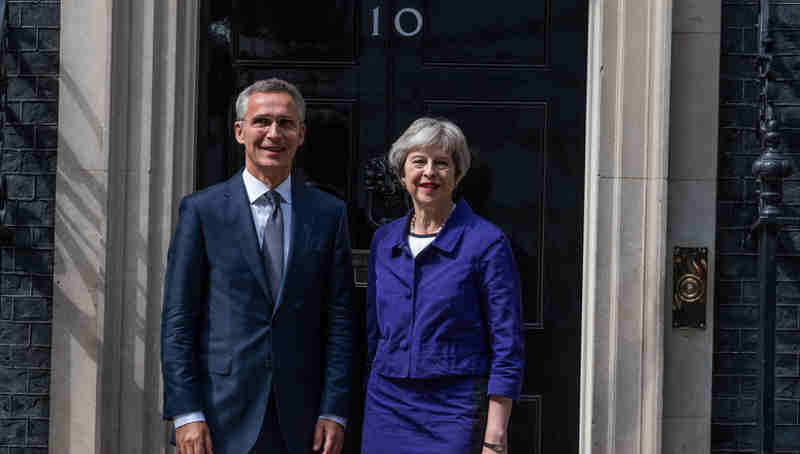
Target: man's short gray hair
x=431, y=132
x=272, y=85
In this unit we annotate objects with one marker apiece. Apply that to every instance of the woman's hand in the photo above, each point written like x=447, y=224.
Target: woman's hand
x=496, y=425
x=495, y=448
x=495, y=443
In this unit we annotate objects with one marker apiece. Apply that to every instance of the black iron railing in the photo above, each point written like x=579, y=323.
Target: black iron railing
x=770, y=169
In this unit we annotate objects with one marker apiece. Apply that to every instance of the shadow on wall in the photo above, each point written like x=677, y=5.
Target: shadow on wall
x=78, y=274
x=119, y=342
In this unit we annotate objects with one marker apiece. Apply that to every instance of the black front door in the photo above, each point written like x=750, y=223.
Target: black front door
x=511, y=74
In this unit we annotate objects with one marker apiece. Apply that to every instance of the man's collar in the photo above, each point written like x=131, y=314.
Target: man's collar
x=256, y=188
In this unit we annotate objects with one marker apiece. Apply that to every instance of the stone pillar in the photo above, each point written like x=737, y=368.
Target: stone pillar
x=625, y=226
x=694, y=130
x=125, y=156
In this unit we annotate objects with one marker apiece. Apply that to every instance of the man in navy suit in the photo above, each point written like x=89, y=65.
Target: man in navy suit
x=257, y=328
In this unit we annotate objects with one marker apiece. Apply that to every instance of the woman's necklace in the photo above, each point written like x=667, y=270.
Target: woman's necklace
x=414, y=219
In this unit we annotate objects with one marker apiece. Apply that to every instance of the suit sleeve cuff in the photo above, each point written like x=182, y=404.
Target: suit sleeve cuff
x=186, y=418
x=337, y=419
x=504, y=388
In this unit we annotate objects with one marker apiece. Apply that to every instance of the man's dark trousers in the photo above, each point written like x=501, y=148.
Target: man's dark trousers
x=270, y=440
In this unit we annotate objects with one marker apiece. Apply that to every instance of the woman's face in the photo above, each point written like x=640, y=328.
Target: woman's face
x=429, y=176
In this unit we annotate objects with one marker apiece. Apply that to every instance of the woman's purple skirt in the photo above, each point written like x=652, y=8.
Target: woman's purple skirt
x=445, y=415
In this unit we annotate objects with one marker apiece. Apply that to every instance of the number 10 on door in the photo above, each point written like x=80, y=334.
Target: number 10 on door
x=405, y=31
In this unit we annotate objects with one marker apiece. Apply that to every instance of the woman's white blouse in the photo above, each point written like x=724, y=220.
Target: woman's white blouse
x=419, y=242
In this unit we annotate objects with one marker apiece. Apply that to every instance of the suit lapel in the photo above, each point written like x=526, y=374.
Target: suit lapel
x=240, y=218
x=300, y=236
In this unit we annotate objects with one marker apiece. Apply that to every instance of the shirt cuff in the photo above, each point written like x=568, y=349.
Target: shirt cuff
x=337, y=419
x=195, y=416
x=186, y=418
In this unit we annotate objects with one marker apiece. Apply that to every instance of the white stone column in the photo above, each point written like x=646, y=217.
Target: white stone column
x=126, y=155
x=625, y=226
x=80, y=226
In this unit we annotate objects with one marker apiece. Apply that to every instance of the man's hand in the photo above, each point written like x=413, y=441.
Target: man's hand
x=193, y=438
x=328, y=435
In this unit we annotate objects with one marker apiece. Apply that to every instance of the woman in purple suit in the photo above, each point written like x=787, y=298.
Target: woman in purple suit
x=444, y=325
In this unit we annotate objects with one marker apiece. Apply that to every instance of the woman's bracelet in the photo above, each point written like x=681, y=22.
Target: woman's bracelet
x=495, y=447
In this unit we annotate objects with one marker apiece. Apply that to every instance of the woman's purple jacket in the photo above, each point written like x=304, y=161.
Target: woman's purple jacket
x=455, y=310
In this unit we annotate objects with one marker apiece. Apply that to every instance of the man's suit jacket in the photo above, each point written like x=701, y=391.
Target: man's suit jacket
x=226, y=343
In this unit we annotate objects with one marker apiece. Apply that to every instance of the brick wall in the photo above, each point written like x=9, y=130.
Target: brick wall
x=26, y=267
x=736, y=406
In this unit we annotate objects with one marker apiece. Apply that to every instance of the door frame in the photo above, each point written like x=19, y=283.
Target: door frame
x=106, y=309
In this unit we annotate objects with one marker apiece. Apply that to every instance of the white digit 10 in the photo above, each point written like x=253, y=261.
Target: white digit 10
x=376, y=12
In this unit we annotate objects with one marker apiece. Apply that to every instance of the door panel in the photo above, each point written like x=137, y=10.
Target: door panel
x=469, y=33
x=514, y=79
x=296, y=31
x=506, y=183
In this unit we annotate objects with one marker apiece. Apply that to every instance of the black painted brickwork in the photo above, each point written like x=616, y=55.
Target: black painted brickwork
x=736, y=405
x=28, y=165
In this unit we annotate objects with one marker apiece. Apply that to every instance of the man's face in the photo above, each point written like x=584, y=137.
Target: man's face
x=271, y=132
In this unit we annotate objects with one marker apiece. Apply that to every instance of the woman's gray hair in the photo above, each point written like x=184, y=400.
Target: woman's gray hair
x=431, y=132
x=272, y=85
